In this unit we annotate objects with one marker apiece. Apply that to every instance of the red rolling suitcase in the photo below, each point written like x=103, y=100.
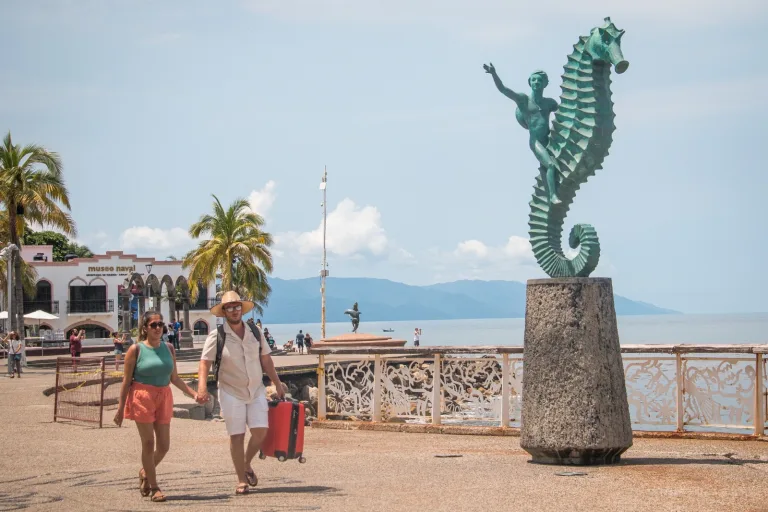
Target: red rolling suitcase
x=285, y=437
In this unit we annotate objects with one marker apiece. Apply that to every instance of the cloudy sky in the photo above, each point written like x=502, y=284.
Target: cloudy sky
x=154, y=106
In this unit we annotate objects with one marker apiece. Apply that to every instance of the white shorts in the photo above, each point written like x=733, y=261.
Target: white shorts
x=240, y=415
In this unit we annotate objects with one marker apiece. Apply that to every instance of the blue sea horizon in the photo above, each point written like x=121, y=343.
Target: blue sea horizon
x=731, y=328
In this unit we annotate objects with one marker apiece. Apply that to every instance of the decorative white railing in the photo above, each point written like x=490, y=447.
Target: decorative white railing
x=669, y=387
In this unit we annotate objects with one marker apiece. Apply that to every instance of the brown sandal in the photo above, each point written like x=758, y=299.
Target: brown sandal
x=157, y=495
x=242, y=489
x=253, y=480
x=143, y=483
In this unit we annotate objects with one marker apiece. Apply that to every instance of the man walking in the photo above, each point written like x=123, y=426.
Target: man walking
x=242, y=395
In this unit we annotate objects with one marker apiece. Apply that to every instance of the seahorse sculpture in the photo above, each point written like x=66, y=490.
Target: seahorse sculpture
x=573, y=149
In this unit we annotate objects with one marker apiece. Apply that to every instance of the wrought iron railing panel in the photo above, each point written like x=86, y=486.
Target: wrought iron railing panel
x=719, y=392
x=49, y=306
x=407, y=388
x=349, y=388
x=471, y=388
x=651, y=391
x=90, y=306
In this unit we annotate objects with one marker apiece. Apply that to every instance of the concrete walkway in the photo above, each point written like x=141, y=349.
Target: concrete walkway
x=68, y=466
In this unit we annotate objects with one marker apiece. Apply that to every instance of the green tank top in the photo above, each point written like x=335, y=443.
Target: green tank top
x=154, y=365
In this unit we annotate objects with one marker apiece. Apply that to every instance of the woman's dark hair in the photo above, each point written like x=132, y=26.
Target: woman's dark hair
x=144, y=321
x=13, y=335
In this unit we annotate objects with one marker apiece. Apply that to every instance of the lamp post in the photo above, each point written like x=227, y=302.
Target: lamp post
x=324, y=270
x=7, y=254
x=152, y=306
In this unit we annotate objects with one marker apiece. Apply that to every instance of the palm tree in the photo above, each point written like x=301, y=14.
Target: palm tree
x=238, y=250
x=28, y=278
x=32, y=189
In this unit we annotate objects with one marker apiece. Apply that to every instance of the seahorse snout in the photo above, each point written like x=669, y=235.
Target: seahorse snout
x=617, y=58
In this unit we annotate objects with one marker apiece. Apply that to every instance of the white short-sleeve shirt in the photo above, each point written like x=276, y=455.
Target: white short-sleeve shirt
x=240, y=373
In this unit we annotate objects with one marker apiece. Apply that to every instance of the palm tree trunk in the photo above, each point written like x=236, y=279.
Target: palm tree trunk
x=16, y=313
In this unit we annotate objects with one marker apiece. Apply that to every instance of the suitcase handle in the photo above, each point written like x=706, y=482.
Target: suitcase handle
x=274, y=403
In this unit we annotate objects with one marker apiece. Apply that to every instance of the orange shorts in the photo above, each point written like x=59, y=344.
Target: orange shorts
x=149, y=404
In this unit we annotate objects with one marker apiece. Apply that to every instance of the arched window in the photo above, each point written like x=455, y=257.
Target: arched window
x=84, y=298
x=42, y=299
x=201, y=327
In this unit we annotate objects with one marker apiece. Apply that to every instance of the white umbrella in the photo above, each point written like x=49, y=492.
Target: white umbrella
x=40, y=315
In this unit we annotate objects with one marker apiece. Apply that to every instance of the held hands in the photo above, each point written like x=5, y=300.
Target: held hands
x=202, y=396
x=489, y=68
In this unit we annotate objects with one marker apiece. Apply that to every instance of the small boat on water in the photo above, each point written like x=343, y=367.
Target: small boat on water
x=389, y=330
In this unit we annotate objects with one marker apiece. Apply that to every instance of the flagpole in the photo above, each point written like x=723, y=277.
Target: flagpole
x=324, y=271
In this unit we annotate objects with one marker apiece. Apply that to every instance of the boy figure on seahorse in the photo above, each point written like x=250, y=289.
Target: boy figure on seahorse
x=532, y=113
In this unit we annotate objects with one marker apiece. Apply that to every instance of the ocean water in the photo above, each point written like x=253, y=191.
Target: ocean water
x=709, y=329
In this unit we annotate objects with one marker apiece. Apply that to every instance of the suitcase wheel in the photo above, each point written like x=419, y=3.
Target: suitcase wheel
x=281, y=458
x=302, y=460
x=262, y=456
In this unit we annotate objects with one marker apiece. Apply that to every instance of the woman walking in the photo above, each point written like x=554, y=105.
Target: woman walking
x=119, y=341
x=146, y=397
x=15, y=348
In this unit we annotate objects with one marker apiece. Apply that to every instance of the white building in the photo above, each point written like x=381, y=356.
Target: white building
x=108, y=292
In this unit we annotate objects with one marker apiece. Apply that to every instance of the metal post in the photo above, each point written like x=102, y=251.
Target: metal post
x=321, y=388
x=437, y=391
x=101, y=397
x=377, y=387
x=504, y=391
x=759, y=393
x=56, y=392
x=324, y=271
x=680, y=403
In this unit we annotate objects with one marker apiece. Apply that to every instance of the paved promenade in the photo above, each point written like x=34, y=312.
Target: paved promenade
x=67, y=466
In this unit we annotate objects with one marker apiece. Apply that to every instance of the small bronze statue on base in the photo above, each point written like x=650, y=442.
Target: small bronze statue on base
x=354, y=314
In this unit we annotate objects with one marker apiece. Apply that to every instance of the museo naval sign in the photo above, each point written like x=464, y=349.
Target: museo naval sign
x=111, y=270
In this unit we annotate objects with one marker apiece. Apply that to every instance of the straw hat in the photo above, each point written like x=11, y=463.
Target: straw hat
x=228, y=298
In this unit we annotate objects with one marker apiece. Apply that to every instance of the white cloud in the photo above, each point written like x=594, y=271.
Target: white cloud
x=474, y=259
x=470, y=248
x=262, y=200
x=155, y=240
x=519, y=249
x=351, y=231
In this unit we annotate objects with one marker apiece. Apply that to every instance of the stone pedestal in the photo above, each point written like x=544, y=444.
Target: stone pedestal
x=185, y=338
x=575, y=408
x=352, y=339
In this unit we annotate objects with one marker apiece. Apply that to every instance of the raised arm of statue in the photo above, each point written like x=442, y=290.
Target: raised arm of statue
x=509, y=93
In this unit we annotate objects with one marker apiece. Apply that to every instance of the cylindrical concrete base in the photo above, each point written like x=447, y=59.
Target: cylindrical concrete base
x=575, y=408
x=185, y=339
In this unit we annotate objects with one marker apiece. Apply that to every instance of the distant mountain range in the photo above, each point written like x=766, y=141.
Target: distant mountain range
x=298, y=300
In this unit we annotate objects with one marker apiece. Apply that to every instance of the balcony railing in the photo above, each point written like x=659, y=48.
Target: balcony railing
x=721, y=388
x=203, y=304
x=49, y=306
x=90, y=306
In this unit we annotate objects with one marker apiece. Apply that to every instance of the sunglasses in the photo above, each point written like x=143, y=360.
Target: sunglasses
x=156, y=325
x=230, y=309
